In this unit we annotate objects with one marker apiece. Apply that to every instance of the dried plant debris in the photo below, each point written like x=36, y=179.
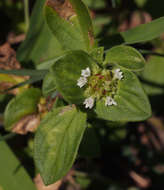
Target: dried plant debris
x=141, y=181
x=8, y=58
x=15, y=39
x=6, y=85
x=136, y=19
x=62, y=7
x=27, y=124
x=8, y=61
x=40, y=185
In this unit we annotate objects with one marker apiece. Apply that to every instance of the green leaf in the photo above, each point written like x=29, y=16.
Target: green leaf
x=144, y=32
x=57, y=141
x=85, y=22
x=67, y=71
x=126, y=57
x=23, y=104
x=46, y=65
x=12, y=175
x=49, y=85
x=70, y=23
x=132, y=102
x=40, y=44
x=152, y=76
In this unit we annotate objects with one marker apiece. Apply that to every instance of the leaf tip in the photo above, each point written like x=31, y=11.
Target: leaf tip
x=62, y=7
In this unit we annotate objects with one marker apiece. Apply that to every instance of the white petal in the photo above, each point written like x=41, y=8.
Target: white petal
x=110, y=101
x=86, y=72
x=89, y=103
x=118, y=74
x=81, y=82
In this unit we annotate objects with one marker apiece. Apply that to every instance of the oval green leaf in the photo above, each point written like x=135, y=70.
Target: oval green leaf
x=132, y=102
x=126, y=57
x=23, y=104
x=57, y=141
x=67, y=71
x=152, y=76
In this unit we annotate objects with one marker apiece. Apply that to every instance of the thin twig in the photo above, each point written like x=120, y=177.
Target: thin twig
x=26, y=13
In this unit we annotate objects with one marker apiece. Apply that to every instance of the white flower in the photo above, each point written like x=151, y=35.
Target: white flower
x=86, y=72
x=89, y=103
x=118, y=74
x=110, y=101
x=81, y=81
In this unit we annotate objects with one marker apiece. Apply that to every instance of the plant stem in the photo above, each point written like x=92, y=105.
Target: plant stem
x=26, y=14
x=113, y=3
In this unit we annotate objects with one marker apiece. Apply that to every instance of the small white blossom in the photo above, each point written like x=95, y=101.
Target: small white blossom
x=81, y=81
x=89, y=103
x=118, y=74
x=86, y=72
x=110, y=101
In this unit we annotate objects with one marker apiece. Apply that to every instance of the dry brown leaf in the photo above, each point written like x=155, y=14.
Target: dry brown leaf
x=6, y=85
x=8, y=61
x=40, y=185
x=27, y=124
x=136, y=19
x=14, y=39
x=8, y=58
x=141, y=181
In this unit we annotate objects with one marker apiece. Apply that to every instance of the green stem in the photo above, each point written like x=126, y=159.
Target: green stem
x=26, y=13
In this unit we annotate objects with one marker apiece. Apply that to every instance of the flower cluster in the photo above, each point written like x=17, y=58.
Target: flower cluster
x=101, y=84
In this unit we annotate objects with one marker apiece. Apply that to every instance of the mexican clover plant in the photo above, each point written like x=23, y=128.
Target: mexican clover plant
x=91, y=84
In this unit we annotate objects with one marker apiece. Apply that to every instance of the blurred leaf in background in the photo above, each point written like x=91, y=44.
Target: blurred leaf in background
x=12, y=176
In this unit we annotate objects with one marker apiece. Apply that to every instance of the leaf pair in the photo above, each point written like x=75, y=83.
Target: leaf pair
x=133, y=104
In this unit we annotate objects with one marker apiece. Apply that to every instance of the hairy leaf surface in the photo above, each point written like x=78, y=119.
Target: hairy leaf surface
x=132, y=102
x=125, y=56
x=57, y=141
